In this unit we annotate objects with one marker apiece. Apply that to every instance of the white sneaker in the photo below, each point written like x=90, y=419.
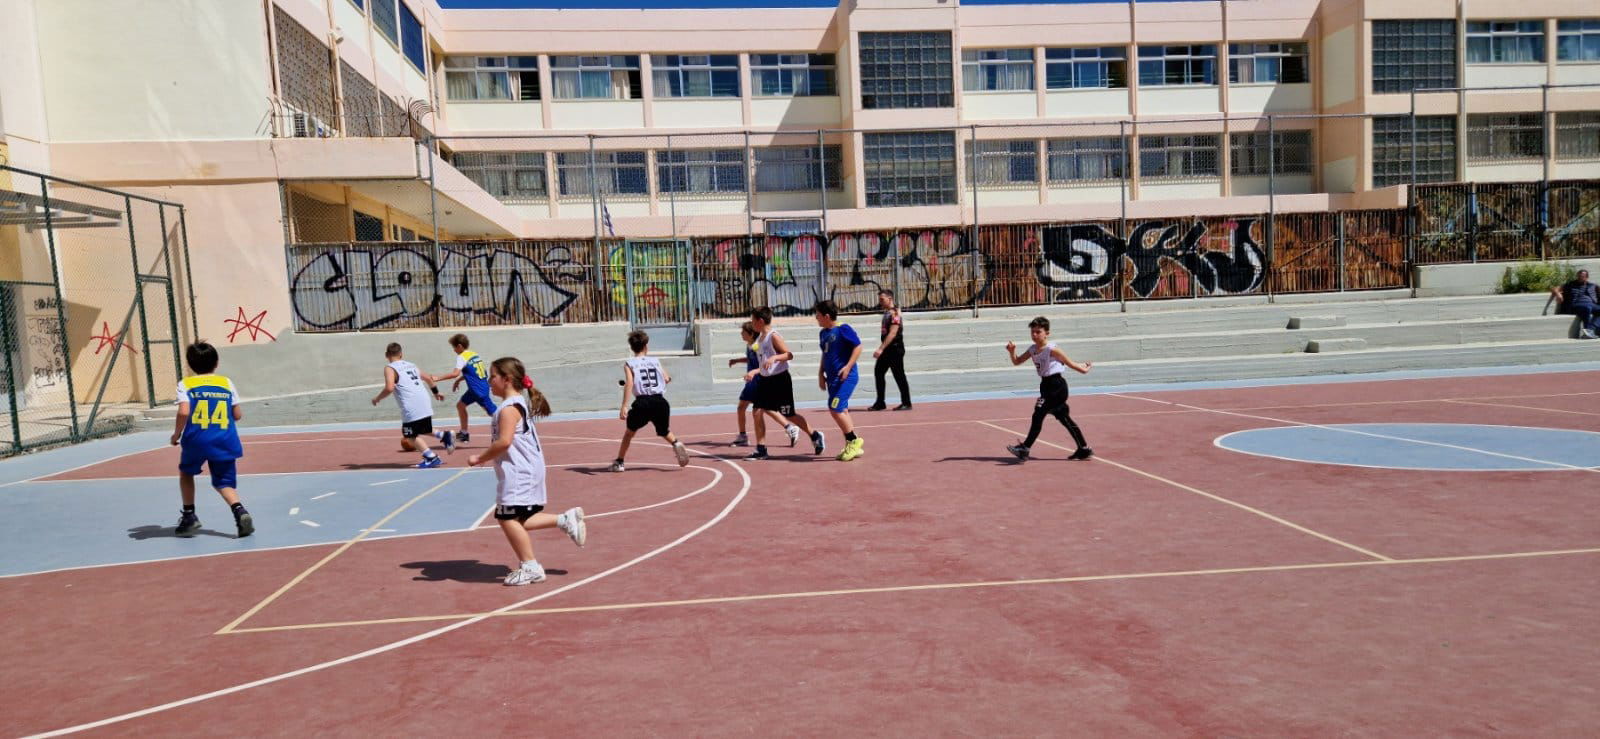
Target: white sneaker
x=572, y=523
x=525, y=576
x=1586, y=334
x=794, y=433
x=682, y=453
x=617, y=467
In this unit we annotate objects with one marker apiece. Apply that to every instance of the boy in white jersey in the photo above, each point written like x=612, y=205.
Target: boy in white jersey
x=774, y=386
x=645, y=379
x=519, y=468
x=405, y=381
x=1052, y=365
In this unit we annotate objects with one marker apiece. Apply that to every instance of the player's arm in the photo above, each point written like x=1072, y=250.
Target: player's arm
x=507, y=425
x=433, y=384
x=781, y=348
x=389, y=378
x=735, y=361
x=855, y=356
x=665, y=375
x=1016, y=359
x=238, y=412
x=1061, y=356
x=182, y=421
x=627, y=390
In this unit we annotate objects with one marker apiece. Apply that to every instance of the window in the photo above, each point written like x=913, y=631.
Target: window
x=695, y=75
x=368, y=228
x=792, y=75
x=700, y=170
x=1391, y=149
x=1087, y=159
x=1505, y=42
x=387, y=22
x=1092, y=67
x=401, y=233
x=795, y=168
x=618, y=172
x=1505, y=136
x=508, y=175
x=993, y=70
x=906, y=70
x=1279, y=63
x=1409, y=55
x=910, y=168
x=358, y=4
x=1161, y=66
x=1290, y=150
x=491, y=77
x=596, y=77
x=1578, y=135
x=1012, y=162
x=1578, y=40
x=1178, y=156
x=411, y=40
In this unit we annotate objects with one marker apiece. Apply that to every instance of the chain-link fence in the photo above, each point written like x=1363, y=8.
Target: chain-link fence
x=93, y=283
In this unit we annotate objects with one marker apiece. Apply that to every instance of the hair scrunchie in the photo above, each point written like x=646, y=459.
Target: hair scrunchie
x=527, y=382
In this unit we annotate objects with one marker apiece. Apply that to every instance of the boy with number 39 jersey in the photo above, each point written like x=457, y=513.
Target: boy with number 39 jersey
x=646, y=379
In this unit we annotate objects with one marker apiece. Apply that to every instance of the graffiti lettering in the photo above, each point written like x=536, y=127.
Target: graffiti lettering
x=361, y=288
x=1081, y=259
x=45, y=355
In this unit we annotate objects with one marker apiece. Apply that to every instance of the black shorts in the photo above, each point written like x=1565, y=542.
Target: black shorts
x=775, y=393
x=648, y=409
x=1052, y=393
x=518, y=513
x=419, y=427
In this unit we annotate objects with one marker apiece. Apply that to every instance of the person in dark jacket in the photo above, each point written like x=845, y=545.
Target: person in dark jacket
x=1579, y=298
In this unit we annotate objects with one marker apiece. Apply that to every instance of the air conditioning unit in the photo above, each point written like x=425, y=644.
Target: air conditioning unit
x=303, y=125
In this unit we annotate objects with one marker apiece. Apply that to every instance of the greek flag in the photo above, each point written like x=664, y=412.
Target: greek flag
x=605, y=218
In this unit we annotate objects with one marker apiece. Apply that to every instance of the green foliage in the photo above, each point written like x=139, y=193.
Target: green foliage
x=1536, y=277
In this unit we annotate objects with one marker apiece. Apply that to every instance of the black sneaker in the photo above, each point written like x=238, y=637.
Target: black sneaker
x=188, y=524
x=818, y=442
x=903, y=407
x=877, y=407
x=758, y=454
x=462, y=437
x=1019, y=450
x=1082, y=453
x=247, y=525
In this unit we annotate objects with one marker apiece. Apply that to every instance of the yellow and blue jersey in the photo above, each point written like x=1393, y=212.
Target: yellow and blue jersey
x=475, y=371
x=211, y=432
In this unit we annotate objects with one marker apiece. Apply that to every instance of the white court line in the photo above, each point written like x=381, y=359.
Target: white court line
x=714, y=481
x=312, y=524
x=386, y=482
x=374, y=531
x=391, y=646
x=324, y=495
x=295, y=511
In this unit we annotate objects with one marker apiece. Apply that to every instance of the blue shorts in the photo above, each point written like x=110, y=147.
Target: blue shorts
x=473, y=398
x=748, y=394
x=839, y=393
x=224, y=472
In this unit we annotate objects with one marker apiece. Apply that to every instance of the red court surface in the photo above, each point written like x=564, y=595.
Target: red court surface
x=934, y=587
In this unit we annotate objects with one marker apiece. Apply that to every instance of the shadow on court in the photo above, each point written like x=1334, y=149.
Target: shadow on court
x=1006, y=461
x=464, y=570
x=140, y=533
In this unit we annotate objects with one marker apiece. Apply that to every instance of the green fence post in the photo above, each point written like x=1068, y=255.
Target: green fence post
x=61, y=311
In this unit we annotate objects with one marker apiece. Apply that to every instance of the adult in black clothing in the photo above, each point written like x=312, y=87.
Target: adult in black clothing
x=891, y=353
x=1580, y=299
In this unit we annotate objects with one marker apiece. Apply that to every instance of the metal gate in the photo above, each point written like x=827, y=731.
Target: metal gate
x=659, y=280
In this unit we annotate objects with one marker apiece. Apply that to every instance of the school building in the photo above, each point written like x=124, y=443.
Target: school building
x=314, y=121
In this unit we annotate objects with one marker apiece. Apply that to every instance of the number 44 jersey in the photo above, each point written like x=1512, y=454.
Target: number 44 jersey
x=211, y=432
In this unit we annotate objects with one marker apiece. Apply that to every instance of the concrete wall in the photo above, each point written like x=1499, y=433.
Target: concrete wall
x=1474, y=279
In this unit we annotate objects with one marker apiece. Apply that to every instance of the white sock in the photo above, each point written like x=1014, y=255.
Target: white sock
x=532, y=565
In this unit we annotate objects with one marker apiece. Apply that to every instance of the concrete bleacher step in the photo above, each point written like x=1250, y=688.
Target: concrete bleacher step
x=1347, y=344
x=1301, y=322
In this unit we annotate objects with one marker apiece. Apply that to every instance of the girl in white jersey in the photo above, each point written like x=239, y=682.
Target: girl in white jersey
x=405, y=381
x=645, y=379
x=519, y=467
x=774, y=386
x=1052, y=365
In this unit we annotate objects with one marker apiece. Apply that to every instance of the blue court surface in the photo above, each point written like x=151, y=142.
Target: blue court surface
x=1423, y=446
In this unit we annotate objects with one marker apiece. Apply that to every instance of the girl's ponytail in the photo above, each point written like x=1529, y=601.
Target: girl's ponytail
x=511, y=368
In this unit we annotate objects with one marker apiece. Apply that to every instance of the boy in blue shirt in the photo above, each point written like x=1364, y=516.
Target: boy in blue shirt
x=840, y=350
x=207, y=427
x=475, y=372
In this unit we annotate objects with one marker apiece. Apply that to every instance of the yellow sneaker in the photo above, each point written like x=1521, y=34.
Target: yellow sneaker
x=852, y=449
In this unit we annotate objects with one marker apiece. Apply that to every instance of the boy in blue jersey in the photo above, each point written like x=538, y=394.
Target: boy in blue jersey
x=841, y=348
x=471, y=369
x=207, y=427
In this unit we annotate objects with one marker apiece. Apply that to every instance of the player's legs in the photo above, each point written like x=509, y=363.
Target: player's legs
x=1040, y=411
x=898, y=367
x=542, y=521
x=800, y=421
x=622, y=448
x=1064, y=415
x=761, y=424
x=186, y=489
x=517, y=535
x=743, y=406
x=225, y=479
x=461, y=413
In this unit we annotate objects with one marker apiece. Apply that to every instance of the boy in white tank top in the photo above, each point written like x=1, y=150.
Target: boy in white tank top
x=645, y=379
x=1052, y=364
x=774, y=387
x=406, y=383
